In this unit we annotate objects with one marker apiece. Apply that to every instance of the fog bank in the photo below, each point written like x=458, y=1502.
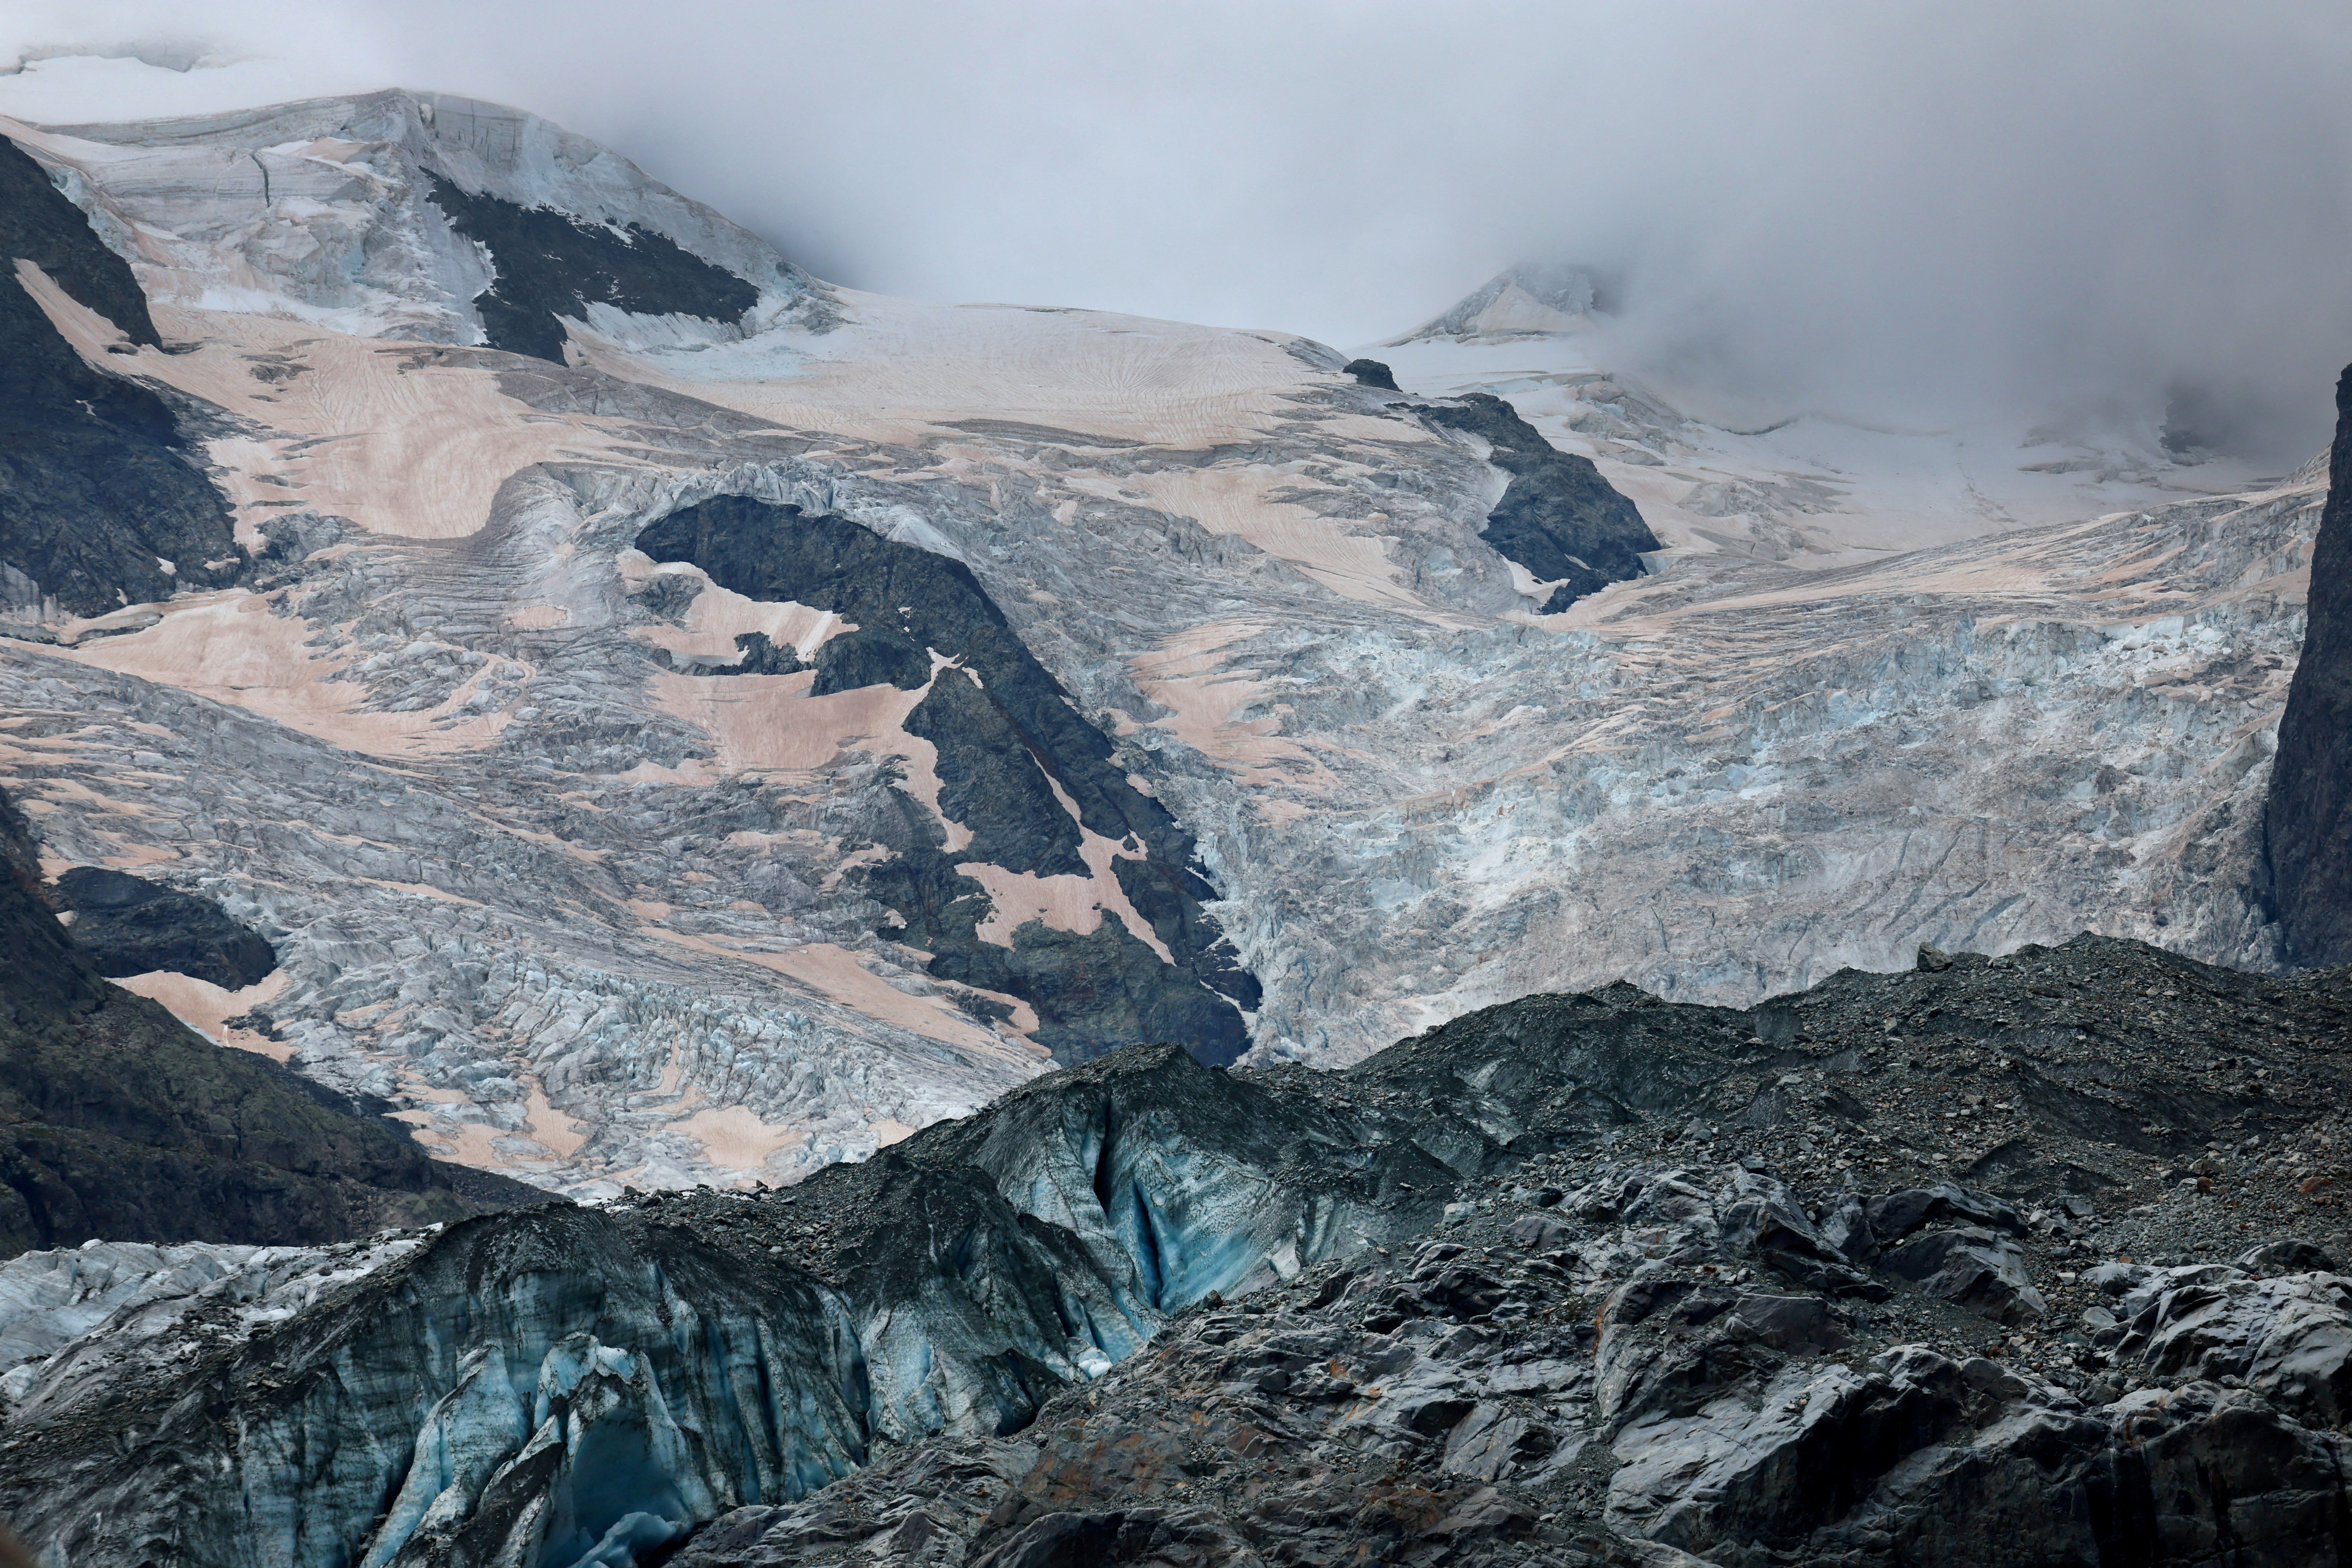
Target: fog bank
x=1897, y=212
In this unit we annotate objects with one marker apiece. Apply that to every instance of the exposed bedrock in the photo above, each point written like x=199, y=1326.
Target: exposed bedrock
x=754, y=655
x=1011, y=749
x=1559, y=518
x=117, y=1121
x=550, y=265
x=129, y=925
x=2307, y=820
x=1502, y=1287
x=98, y=505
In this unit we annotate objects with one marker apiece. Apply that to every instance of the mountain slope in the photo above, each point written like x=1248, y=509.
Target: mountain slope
x=1567, y=1279
x=1520, y=301
x=117, y=1122
x=1235, y=715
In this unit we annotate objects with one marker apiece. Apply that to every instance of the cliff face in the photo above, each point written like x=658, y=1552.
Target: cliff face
x=2307, y=827
x=100, y=506
x=1558, y=518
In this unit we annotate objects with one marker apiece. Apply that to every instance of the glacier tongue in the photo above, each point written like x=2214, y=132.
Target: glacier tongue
x=552, y=1385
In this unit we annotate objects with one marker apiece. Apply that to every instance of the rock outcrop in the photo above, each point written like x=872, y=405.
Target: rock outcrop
x=1558, y=518
x=1008, y=748
x=131, y=925
x=550, y=266
x=1593, y=1278
x=100, y=503
x=2307, y=819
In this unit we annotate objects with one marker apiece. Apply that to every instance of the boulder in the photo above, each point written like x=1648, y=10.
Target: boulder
x=1771, y=1469
x=1494, y=1444
x=1801, y=1325
x=2289, y=1338
x=1846, y=1226
x=1973, y=1268
x=1541, y=1232
x=1460, y=1291
x=1761, y=1217
x=1895, y=1216
x=2222, y=1479
x=1427, y=1399
x=2286, y=1258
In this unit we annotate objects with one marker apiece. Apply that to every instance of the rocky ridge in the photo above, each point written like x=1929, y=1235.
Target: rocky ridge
x=128, y=925
x=1559, y=518
x=1583, y=1278
x=2307, y=831
x=101, y=505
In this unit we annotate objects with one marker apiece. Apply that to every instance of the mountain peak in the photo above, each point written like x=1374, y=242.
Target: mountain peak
x=1533, y=299
x=292, y=210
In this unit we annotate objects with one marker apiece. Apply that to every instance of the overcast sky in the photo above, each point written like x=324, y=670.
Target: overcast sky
x=1900, y=211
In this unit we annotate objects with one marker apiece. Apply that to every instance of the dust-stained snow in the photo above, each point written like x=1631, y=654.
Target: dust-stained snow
x=590, y=916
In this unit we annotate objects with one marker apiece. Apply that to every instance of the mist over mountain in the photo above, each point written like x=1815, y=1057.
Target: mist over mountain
x=1905, y=213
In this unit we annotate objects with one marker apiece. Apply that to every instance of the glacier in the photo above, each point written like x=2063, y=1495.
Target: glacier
x=589, y=910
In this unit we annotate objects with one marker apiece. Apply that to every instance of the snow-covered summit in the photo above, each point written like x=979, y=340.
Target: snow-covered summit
x=1546, y=300
x=325, y=212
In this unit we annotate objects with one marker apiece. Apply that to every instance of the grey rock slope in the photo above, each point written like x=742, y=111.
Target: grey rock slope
x=1583, y=1279
x=2307, y=820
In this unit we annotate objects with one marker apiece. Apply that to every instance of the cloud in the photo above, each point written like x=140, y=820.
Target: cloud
x=1906, y=211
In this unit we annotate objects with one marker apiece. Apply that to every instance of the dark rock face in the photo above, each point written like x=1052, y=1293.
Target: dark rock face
x=871, y=656
x=2307, y=822
x=94, y=485
x=1007, y=737
x=1559, y=519
x=117, y=1121
x=760, y=657
x=551, y=263
x=128, y=925
x=754, y=655
x=1489, y=1297
x=1371, y=373
x=39, y=224
x=991, y=782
